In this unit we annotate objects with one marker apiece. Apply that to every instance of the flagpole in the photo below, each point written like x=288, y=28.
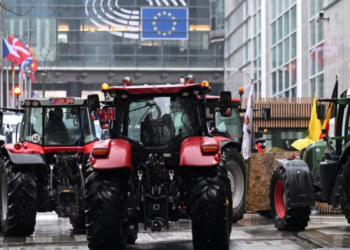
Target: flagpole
x=13, y=83
x=7, y=80
x=2, y=77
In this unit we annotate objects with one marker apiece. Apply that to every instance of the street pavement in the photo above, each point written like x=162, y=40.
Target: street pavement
x=252, y=232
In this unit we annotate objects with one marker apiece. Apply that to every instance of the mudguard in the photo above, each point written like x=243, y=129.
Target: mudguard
x=119, y=155
x=230, y=143
x=26, y=159
x=191, y=152
x=300, y=184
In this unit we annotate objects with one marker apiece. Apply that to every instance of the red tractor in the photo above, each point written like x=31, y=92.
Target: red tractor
x=44, y=171
x=227, y=130
x=160, y=165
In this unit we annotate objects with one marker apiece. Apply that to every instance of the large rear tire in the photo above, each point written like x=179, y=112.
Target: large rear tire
x=104, y=203
x=18, y=198
x=285, y=218
x=78, y=220
x=210, y=209
x=345, y=189
x=236, y=172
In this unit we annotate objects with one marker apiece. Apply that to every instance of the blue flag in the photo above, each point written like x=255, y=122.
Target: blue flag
x=164, y=23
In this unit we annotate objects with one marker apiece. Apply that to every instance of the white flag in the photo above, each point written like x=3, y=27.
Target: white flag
x=247, y=126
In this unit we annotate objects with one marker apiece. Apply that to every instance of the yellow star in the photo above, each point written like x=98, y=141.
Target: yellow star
x=173, y=28
x=155, y=17
x=154, y=23
x=164, y=12
x=169, y=14
x=175, y=23
x=155, y=28
x=164, y=34
x=173, y=18
x=159, y=14
x=169, y=32
x=159, y=32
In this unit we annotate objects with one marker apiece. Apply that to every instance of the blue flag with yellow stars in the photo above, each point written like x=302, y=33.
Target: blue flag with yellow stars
x=164, y=23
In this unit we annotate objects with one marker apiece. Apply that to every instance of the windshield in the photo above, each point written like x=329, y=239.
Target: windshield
x=158, y=121
x=62, y=126
x=232, y=125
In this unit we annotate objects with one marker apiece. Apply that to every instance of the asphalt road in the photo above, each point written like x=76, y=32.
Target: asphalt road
x=252, y=232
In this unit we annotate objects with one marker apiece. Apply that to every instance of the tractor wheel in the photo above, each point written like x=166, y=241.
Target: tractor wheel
x=18, y=198
x=285, y=218
x=210, y=209
x=78, y=221
x=104, y=203
x=237, y=176
x=345, y=188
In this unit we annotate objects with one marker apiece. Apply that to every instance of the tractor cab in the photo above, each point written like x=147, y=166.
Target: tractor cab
x=56, y=122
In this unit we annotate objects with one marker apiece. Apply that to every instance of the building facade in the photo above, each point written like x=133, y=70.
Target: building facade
x=279, y=44
x=82, y=43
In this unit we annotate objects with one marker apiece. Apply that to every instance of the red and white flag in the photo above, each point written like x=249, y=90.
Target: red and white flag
x=17, y=51
x=247, y=126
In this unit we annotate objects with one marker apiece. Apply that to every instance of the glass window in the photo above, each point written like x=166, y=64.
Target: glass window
x=312, y=33
x=280, y=54
x=32, y=125
x=312, y=61
x=312, y=87
x=286, y=23
x=286, y=50
x=156, y=121
x=312, y=7
x=294, y=71
x=231, y=124
x=246, y=49
x=280, y=80
x=273, y=33
x=320, y=31
x=294, y=92
x=280, y=7
x=274, y=84
x=320, y=58
x=273, y=9
x=320, y=86
x=286, y=77
x=273, y=57
x=293, y=18
x=293, y=45
x=286, y=4
x=280, y=28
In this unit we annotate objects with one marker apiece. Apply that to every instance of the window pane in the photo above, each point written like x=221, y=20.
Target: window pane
x=320, y=31
x=319, y=6
x=273, y=33
x=293, y=18
x=320, y=58
x=294, y=45
x=255, y=70
x=286, y=94
x=320, y=86
x=255, y=46
x=294, y=92
x=286, y=50
x=273, y=8
x=273, y=59
x=312, y=7
x=280, y=7
x=286, y=77
x=312, y=87
x=280, y=54
x=280, y=28
x=286, y=4
x=294, y=72
x=274, y=83
x=246, y=29
x=246, y=48
x=280, y=80
x=312, y=33
x=286, y=24
x=313, y=61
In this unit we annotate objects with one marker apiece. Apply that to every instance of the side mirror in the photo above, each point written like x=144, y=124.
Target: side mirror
x=1, y=118
x=321, y=112
x=225, y=103
x=266, y=114
x=93, y=102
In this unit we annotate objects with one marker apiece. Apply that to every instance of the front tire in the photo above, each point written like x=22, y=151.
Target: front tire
x=285, y=218
x=104, y=215
x=210, y=211
x=18, y=198
x=236, y=172
x=345, y=188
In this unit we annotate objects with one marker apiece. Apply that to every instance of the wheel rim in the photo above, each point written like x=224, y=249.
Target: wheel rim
x=4, y=193
x=237, y=183
x=280, y=199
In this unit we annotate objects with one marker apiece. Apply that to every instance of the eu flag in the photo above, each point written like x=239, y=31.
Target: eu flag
x=164, y=23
